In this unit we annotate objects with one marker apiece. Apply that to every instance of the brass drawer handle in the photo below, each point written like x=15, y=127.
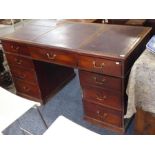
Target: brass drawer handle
x=15, y=47
x=102, y=98
x=99, y=82
x=18, y=61
x=98, y=67
x=102, y=116
x=51, y=57
x=26, y=88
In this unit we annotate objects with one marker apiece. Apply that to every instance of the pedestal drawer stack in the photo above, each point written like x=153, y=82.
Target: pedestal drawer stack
x=22, y=69
x=102, y=92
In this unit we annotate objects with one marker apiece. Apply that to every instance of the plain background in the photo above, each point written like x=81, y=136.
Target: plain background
x=77, y=9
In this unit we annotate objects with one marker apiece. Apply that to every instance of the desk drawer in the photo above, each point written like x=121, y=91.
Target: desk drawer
x=104, y=97
x=24, y=74
x=102, y=66
x=19, y=61
x=99, y=80
x=54, y=56
x=102, y=114
x=26, y=88
x=13, y=47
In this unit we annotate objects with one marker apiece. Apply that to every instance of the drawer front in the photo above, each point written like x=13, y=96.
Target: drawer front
x=105, y=115
x=24, y=74
x=15, y=48
x=104, y=97
x=99, y=80
x=26, y=88
x=54, y=56
x=102, y=66
x=19, y=61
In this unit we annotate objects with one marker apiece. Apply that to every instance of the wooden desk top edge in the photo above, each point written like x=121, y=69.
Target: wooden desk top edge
x=78, y=50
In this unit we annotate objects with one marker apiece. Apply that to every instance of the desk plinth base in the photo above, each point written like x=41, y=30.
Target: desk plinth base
x=104, y=125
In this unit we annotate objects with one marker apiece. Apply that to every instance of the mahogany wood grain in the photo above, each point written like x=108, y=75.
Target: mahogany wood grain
x=27, y=88
x=144, y=122
x=102, y=66
x=102, y=114
x=25, y=74
x=17, y=48
x=105, y=97
x=100, y=80
x=19, y=61
x=53, y=56
x=103, y=53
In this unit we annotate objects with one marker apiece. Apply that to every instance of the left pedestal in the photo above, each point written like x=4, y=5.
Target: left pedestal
x=34, y=80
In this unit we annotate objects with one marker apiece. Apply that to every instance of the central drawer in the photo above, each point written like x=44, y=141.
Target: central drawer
x=54, y=56
x=105, y=97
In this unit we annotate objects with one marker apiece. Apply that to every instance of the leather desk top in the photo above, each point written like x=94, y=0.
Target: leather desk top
x=111, y=41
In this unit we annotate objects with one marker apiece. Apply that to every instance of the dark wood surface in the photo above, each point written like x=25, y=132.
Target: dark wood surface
x=104, y=97
x=100, y=80
x=144, y=122
x=102, y=66
x=104, y=54
x=110, y=41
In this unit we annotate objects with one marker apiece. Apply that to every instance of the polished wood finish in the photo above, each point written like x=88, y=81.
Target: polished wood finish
x=104, y=97
x=102, y=114
x=144, y=122
x=103, y=54
x=19, y=61
x=102, y=66
x=16, y=48
x=27, y=88
x=53, y=55
x=25, y=74
x=100, y=80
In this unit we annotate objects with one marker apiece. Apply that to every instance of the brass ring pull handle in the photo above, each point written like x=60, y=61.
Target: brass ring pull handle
x=51, y=57
x=15, y=47
x=18, y=61
x=99, y=82
x=102, y=98
x=98, y=67
x=26, y=89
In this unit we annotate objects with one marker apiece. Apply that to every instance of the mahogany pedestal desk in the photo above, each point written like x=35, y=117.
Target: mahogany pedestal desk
x=42, y=59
